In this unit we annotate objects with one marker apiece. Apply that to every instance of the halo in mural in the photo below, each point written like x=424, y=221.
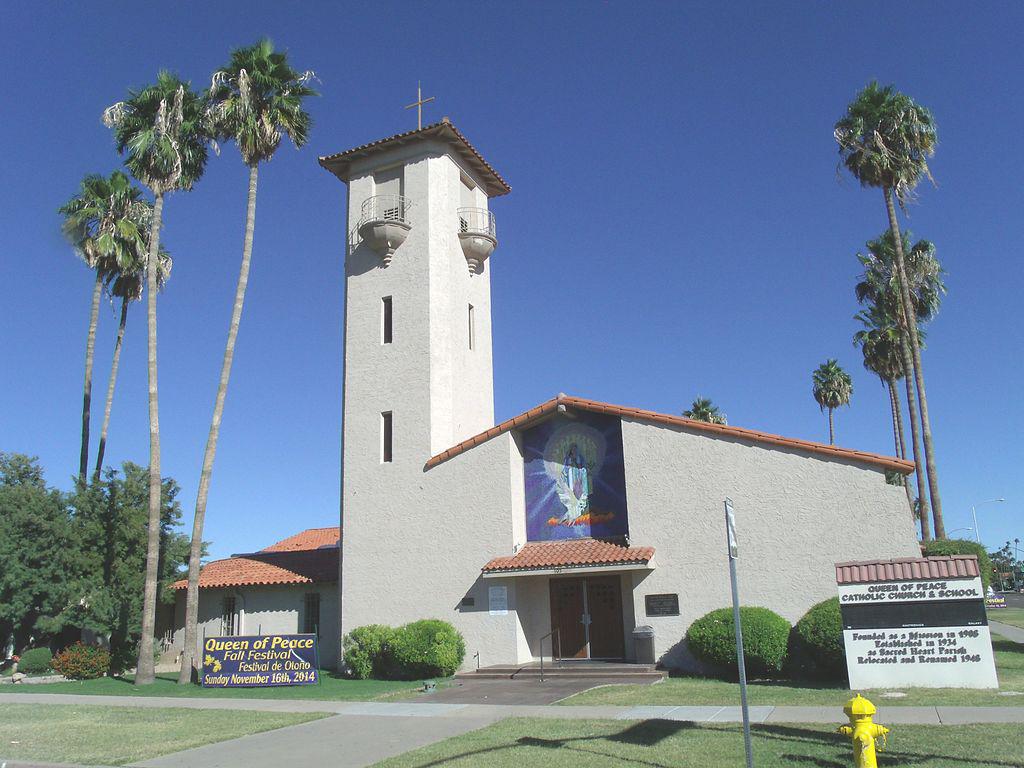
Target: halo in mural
x=575, y=479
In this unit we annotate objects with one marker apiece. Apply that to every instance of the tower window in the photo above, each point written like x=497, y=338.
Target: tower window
x=386, y=322
x=311, y=614
x=472, y=328
x=386, y=437
x=227, y=616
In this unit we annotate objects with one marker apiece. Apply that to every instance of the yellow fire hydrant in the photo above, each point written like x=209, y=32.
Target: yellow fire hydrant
x=862, y=731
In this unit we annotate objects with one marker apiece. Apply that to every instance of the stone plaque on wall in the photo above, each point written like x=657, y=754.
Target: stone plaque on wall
x=662, y=605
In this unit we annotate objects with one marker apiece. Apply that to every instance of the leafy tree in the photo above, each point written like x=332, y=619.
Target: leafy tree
x=110, y=523
x=702, y=409
x=36, y=551
x=832, y=388
x=105, y=222
x=162, y=130
x=254, y=100
x=1005, y=562
x=878, y=290
x=885, y=140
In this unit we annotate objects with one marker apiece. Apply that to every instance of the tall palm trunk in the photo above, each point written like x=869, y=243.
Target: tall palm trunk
x=892, y=413
x=831, y=429
x=922, y=497
x=90, y=349
x=110, y=389
x=145, y=672
x=192, y=596
x=901, y=446
x=918, y=370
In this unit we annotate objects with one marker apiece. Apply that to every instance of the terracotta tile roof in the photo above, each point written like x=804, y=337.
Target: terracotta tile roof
x=908, y=569
x=311, y=538
x=306, y=558
x=534, y=415
x=340, y=163
x=579, y=553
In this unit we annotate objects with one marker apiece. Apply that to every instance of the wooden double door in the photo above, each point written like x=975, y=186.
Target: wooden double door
x=587, y=612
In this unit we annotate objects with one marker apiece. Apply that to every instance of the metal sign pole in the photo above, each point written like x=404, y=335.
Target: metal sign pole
x=730, y=530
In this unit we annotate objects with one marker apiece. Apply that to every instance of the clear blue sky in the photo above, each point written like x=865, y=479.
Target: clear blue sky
x=675, y=203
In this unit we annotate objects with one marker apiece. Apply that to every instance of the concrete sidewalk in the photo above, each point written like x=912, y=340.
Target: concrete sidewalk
x=1016, y=634
x=359, y=734
x=415, y=710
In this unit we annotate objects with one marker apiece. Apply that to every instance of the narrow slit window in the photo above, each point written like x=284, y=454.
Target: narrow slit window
x=472, y=328
x=228, y=617
x=386, y=320
x=386, y=437
x=311, y=614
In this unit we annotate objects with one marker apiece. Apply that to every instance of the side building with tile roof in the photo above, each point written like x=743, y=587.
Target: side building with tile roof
x=287, y=588
x=578, y=517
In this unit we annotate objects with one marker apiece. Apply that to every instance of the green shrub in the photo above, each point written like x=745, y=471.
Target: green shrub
x=427, y=648
x=82, y=662
x=816, y=644
x=712, y=639
x=35, y=661
x=364, y=650
x=962, y=547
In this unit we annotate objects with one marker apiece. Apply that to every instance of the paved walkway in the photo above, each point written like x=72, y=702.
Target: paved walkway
x=1016, y=634
x=359, y=734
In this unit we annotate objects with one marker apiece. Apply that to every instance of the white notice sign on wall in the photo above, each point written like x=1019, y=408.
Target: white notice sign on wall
x=930, y=634
x=497, y=600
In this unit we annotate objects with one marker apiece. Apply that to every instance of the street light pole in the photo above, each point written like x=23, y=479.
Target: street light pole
x=974, y=515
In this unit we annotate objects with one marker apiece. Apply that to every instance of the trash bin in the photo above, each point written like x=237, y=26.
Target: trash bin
x=643, y=641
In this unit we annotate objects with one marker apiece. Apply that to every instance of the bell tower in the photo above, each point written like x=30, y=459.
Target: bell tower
x=418, y=369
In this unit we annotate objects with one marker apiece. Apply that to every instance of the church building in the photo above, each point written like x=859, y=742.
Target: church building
x=561, y=530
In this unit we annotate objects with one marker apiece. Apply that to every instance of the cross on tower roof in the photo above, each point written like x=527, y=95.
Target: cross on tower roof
x=420, y=101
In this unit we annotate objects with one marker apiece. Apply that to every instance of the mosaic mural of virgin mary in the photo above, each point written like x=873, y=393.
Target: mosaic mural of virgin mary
x=575, y=479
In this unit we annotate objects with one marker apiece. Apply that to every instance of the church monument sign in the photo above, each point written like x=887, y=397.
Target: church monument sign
x=916, y=622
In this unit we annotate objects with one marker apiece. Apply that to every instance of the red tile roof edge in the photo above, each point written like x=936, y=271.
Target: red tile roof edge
x=501, y=188
x=535, y=414
x=908, y=569
x=310, y=539
x=284, y=571
x=573, y=553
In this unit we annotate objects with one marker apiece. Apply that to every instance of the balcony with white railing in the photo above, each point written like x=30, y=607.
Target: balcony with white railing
x=384, y=223
x=477, y=235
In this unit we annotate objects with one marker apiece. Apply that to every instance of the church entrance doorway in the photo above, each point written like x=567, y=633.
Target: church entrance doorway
x=587, y=612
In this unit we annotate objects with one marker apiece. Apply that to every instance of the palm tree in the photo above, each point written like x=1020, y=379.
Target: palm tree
x=254, y=100
x=881, y=345
x=879, y=287
x=703, y=409
x=162, y=131
x=104, y=222
x=885, y=140
x=832, y=389
x=125, y=284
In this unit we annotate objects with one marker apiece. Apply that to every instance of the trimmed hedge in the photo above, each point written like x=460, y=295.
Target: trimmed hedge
x=82, y=662
x=364, y=650
x=963, y=547
x=712, y=639
x=427, y=648
x=817, y=642
x=35, y=661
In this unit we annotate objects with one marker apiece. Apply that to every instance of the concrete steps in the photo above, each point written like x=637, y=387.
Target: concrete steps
x=625, y=673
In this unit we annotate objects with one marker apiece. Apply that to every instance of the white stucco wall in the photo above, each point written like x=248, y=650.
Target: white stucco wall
x=272, y=609
x=797, y=514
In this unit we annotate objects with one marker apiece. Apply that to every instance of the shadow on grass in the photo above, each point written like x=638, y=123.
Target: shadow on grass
x=650, y=733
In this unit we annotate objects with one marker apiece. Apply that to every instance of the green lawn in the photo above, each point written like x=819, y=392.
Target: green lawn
x=702, y=690
x=1014, y=616
x=119, y=735
x=331, y=688
x=525, y=743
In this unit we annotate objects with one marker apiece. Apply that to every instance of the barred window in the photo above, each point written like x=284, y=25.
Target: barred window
x=227, y=616
x=311, y=614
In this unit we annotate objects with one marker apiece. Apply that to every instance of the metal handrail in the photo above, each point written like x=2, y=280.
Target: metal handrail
x=477, y=221
x=554, y=633
x=385, y=208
